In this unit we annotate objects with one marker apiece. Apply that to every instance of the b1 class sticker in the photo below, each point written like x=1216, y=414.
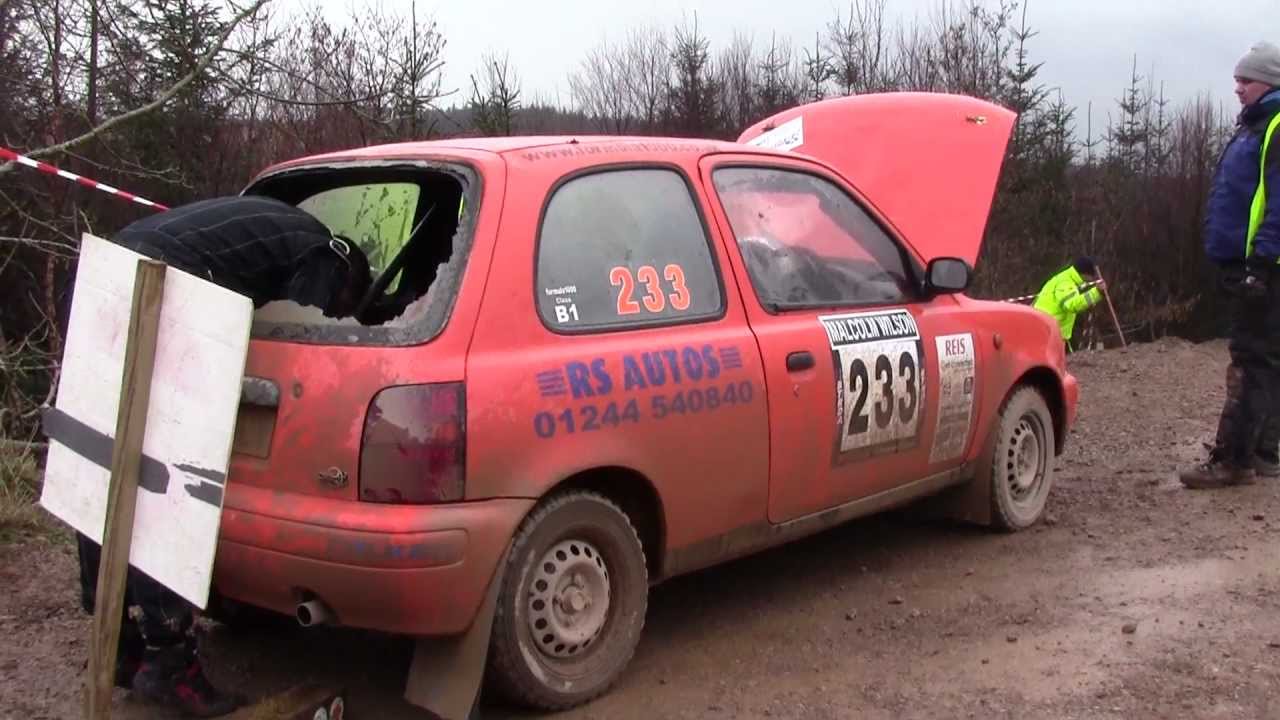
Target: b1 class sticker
x=879, y=379
x=566, y=306
x=957, y=370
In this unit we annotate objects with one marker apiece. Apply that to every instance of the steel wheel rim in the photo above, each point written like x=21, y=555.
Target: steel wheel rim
x=568, y=599
x=1025, y=463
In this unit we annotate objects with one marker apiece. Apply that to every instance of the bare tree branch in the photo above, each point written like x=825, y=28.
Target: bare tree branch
x=32, y=220
x=165, y=97
x=291, y=75
x=56, y=248
x=125, y=166
x=303, y=103
x=13, y=250
x=22, y=445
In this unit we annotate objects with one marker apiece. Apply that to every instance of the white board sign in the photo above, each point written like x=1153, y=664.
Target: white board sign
x=195, y=392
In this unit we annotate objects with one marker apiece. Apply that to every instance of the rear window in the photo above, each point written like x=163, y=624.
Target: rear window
x=409, y=222
x=624, y=248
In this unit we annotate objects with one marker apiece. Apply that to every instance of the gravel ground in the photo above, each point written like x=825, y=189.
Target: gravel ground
x=1134, y=599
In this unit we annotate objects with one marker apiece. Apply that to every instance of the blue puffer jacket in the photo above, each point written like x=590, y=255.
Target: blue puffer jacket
x=1226, y=224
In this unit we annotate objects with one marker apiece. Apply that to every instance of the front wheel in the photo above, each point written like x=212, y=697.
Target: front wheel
x=572, y=603
x=1022, y=465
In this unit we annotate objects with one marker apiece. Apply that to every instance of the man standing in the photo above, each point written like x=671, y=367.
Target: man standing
x=1066, y=295
x=267, y=250
x=1242, y=238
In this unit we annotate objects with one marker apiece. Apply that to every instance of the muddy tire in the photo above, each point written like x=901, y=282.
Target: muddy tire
x=572, y=603
x=1022, y=463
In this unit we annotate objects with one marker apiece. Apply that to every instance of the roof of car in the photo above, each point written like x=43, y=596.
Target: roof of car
x=515, y=144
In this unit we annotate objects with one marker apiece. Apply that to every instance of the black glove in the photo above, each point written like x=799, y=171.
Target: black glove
x=1257, y=272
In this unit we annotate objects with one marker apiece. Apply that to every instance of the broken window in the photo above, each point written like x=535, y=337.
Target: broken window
x=378, y=216
x=409, y=221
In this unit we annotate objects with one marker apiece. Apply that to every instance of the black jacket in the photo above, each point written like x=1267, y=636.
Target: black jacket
x=256, y=246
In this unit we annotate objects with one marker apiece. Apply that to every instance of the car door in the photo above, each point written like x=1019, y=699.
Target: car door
x=634, y=356
x=848, y=343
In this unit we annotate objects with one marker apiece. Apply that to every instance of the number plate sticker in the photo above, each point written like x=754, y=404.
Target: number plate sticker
x=879, y=378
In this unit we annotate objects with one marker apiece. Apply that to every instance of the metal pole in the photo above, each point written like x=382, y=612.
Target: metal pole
x=1111, y=307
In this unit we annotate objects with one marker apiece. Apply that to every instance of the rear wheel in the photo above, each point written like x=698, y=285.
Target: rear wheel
x=572, y=604
x=1022, y=466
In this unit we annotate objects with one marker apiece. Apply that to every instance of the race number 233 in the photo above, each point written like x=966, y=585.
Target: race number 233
x=655, y=296
x=879, y=383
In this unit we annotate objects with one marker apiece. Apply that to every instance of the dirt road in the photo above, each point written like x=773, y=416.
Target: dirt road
x=1136, y=599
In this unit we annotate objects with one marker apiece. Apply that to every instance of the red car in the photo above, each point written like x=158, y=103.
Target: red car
x=606, y=361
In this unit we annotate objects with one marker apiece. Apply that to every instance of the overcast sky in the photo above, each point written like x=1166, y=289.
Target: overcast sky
x=1087, y=46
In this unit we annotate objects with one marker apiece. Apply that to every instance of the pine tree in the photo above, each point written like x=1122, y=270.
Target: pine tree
x=692, y=109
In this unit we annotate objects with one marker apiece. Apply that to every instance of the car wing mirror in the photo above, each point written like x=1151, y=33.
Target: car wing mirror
x=946, y=275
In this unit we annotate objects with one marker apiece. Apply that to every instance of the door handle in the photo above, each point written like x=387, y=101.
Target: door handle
x=801, y=360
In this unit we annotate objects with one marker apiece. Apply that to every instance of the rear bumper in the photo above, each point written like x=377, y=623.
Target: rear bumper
x=412, y=570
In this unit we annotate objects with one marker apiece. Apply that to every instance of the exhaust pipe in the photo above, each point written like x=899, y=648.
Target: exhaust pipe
x=312, y=613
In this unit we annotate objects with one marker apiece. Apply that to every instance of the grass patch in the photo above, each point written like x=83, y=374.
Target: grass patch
x=21, y=516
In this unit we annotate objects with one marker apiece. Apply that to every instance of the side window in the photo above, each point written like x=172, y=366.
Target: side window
x=806, y=243
x=624, y=248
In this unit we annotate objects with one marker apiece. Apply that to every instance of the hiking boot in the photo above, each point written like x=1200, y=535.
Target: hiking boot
x=1265, y=468
x=126, y=669
x=173, y=676
x=128, y=655
x=1214, y=474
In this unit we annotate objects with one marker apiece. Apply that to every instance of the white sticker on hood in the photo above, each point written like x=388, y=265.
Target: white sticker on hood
x=787, y=136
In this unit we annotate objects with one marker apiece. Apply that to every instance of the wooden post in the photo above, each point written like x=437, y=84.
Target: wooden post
x=126, y=459
x=1111, y=307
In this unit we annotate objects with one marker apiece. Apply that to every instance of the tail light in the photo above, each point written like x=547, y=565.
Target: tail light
x=414, y=448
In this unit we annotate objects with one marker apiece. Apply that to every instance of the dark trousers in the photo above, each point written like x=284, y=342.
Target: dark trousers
x=1250, y=421
x=164, y=618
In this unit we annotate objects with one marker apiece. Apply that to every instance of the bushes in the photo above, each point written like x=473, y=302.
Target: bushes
x=19, y=491
x=1129, y=194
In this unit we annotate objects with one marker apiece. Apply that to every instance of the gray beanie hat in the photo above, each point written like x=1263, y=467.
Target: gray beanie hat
x=1261, y=63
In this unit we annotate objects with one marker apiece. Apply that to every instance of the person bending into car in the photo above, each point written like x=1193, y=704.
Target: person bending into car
x=267, y=250
x=259, y=247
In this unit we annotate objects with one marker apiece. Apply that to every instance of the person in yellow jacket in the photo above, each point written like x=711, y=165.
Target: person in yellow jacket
x=1068, y=293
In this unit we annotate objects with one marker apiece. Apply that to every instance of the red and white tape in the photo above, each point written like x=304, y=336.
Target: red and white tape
x=7, y=154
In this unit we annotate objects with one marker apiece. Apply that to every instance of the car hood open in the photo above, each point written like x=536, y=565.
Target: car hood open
x=930, y=162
